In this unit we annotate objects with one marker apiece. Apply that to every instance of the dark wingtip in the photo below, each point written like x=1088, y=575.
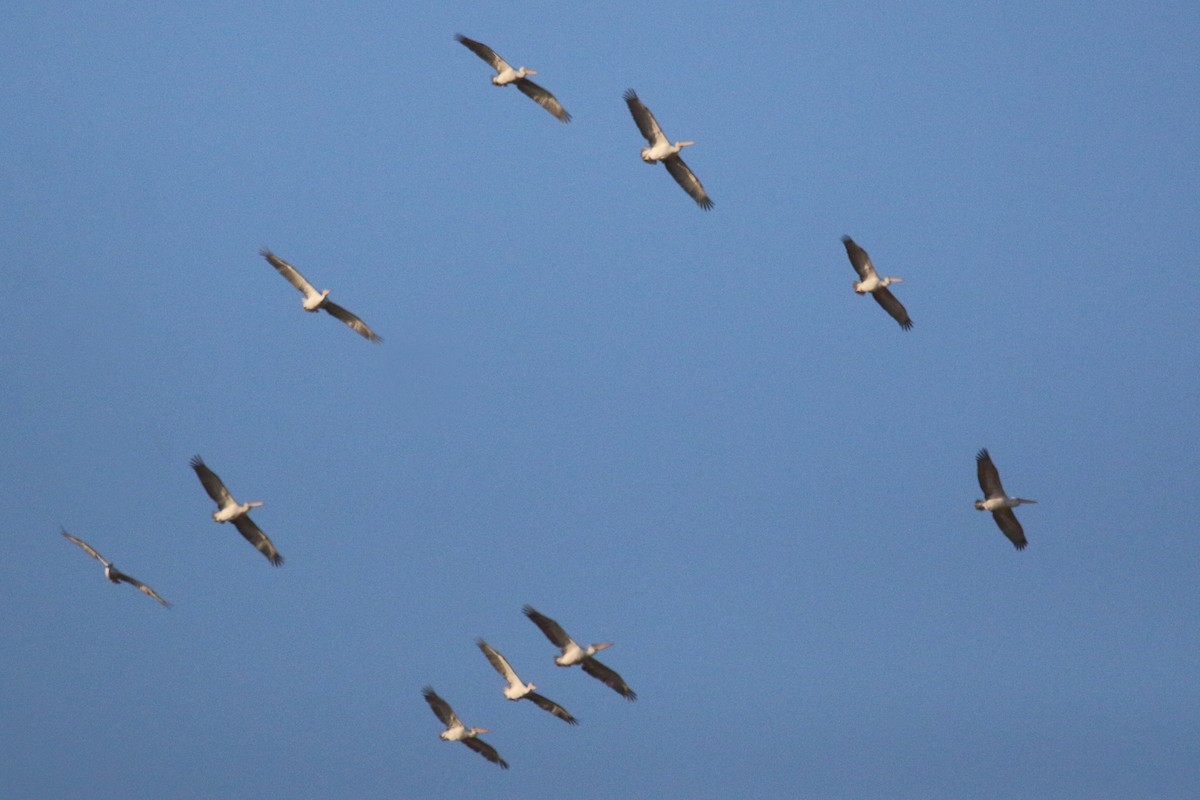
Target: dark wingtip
x=630, y=94
x=906, y=325
x=196, y=462
x=846, y=239
x=276, y=560
x=706, y=203
x=528, y=610
x=982, y=454
x=1020, y=545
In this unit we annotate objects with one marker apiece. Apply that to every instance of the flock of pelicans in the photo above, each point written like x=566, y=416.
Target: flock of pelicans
x=996, y=500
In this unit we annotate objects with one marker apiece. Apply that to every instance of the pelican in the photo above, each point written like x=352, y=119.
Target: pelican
x=115, y=575
x=997, y=502
x=505, y=75
x=516, y=690
x=457, y=732
x=877, y=286
x=573, y=654
x=230, y=510
x=314, y=300
x=662, y=150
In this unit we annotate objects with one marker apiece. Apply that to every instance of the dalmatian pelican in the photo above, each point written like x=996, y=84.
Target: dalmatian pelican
x=661, y=149
x=314, y=301
x=517, y=690
x=115, y=575
x=457, y=732
x=875, y=285
x=573, y=654
x=505, y=75
x=230, y=510
x=997, y=502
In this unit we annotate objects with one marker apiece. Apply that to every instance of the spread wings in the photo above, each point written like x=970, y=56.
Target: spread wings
x=256, y=537
x=684, y=176
x=608, y=677
x=552, y=629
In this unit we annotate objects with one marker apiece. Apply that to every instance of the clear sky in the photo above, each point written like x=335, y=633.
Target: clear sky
x=676, y=430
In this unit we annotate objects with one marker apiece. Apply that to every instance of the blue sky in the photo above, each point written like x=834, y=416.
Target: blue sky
x=676, y=430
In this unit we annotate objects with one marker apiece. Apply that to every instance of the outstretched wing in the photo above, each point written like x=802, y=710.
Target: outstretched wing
x=552, y=629
x=989, y=478
x=551, y=706
x=859, y=259
x=483, y=51
x=441, y=709
x=1007, y=522
x=486, y=750
x=543, y=98
x=688, y=180
x=645, y=120
x=211, y=483
x=256, y=537
x=87, y=548
x=288, y=271
x=608, y=677
x=890, y=304
x=498, y=662
x=141, y=587
x=356, y=324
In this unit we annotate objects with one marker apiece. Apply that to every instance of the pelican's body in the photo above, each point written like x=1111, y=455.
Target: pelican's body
x=998, y=502
x=870, y=283
x=230, y=510
x=315, y=301
x=506, y=74
x=661, y=149
x=518, y=690
x=115, y=575
x=457, y=732
x=572, y=654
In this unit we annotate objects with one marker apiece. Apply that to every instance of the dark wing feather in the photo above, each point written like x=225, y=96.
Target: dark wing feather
x=858, y=259
x=256, y=537
x=483, y=51
x=289, y=272
x=608, y=677
x=890, y=304
x=498, y=662
x=645, y=120
x=543, y=98
x=553, y=707
x=441, y=709
x=1007, y=522
x=141, y=587
x=552, y=629
x=989, y=476
x=486, y=750
x=87, y=548
x=688, y=180
x=211, y=483
x=356, y=324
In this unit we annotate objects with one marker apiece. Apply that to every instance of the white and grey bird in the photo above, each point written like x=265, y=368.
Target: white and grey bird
x=115, y=575
x=230, y=510
x=505, y=74
x=315, y=301
x=996, y=501
x=457, y=732
x=517, y=689
x=661, y=149
x=573, y=654
x=870, y=282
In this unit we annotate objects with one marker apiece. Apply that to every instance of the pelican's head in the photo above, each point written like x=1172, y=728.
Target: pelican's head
x=475, y=731
x=680, y=145
x=525, y=71
x=254, y=504
x=1021, y=501
x=595, y=648
x=887, y=281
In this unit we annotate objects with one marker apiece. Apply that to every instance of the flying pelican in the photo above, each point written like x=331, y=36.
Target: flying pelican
x=115, y=575
x=230, y=510
x=573, y=654
x=314, y=300
x=516, y=690
x=871, y=282
x=662, y=150
x=997, y=502
x=505, y=75
x=457, y=732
